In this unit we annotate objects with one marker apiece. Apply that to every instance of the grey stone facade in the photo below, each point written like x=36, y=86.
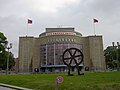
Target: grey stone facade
x=30, y=48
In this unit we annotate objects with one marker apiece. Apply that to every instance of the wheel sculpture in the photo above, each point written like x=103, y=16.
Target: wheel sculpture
x=72, y=55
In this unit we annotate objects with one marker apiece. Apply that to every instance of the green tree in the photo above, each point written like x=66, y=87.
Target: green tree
x=2, y=42
x=11, y=61
x=4, y=53
x=110, y=54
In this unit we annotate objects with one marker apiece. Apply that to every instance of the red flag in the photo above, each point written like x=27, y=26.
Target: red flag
x=29, y=21
x=95, y=20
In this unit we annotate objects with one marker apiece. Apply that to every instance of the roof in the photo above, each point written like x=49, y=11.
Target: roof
x=60, y=31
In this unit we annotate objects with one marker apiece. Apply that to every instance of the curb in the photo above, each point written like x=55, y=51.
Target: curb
x=14, y=87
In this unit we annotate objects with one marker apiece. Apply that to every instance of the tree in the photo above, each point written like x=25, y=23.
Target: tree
x=2, y=42
x=111, y=57
x=11, y=61
x=4, y=53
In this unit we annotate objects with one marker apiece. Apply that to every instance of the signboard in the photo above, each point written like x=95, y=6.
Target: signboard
x=59, y=79
x=36, y=69
x=60, y=33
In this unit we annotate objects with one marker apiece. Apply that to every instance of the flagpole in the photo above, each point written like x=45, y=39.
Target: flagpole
x=94, y=28
x=28, y=22
x=94, y=21
x=27, y=30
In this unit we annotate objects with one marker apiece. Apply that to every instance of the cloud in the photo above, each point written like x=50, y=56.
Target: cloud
x=51, y=13
x=105, y=6
x=23, y=7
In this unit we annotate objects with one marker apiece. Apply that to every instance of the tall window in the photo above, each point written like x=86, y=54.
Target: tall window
x=51, y=54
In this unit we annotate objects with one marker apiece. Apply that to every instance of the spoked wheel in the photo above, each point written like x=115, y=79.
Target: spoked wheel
x=72, y=55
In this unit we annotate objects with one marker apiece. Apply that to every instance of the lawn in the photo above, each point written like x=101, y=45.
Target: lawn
x=89, y=81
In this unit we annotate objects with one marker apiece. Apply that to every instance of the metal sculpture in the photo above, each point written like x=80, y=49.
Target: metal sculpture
x=72, y=55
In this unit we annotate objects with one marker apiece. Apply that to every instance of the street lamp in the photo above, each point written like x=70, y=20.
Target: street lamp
x=8, y=47
x=117, y=54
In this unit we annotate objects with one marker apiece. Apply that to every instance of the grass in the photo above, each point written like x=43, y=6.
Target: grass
x=89, y=81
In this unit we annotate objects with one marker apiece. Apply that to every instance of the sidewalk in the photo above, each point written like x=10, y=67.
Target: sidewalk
x=10, y=87
x=4, y=88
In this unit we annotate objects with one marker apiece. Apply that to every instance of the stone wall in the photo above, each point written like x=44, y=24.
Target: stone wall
x=29, y=51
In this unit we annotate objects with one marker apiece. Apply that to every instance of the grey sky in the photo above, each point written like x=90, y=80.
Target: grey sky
x=51, y=13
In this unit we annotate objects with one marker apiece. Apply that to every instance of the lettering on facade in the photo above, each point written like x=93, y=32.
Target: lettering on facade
x=60, y=33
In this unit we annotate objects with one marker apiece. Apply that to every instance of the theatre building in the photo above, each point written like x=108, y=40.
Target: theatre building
x=45, y=52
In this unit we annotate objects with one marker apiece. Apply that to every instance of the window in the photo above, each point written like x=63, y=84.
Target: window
x=52, y=56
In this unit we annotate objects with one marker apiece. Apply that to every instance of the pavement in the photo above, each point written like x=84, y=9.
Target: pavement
x=11, y=87
x=4, y=88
